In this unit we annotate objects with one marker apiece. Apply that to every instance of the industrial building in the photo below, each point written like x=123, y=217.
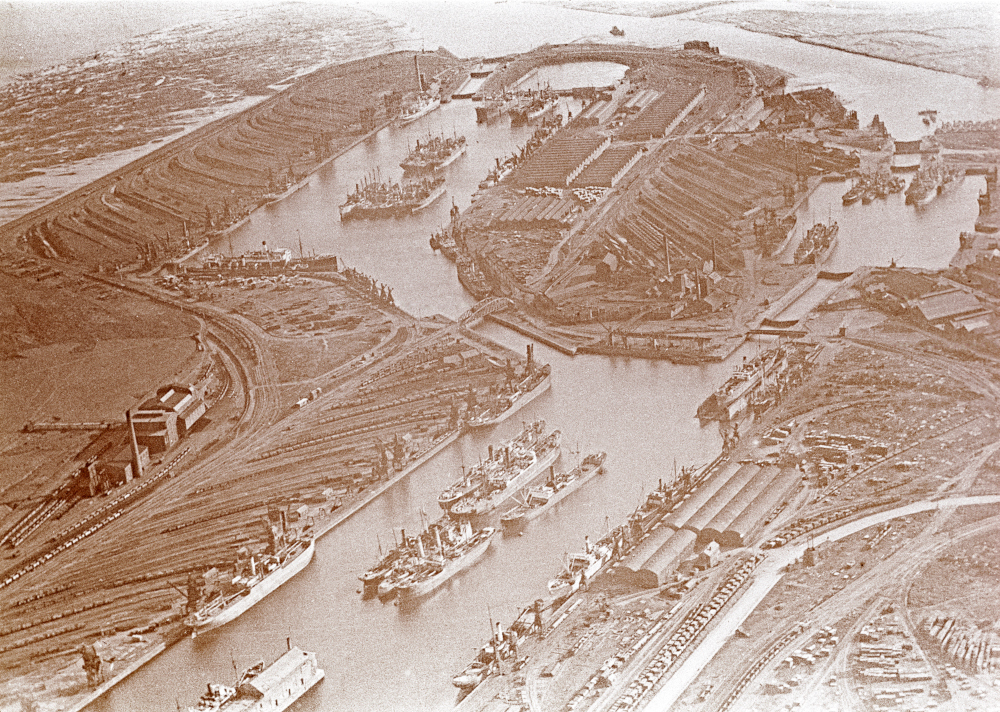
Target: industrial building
x=535, y=212
x=726, y=510
x=160, y=422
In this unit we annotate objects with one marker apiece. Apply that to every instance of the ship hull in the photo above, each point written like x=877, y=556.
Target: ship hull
x=519, y=403
x=454, y=156
x=563, y=587
x=412, y=592
x=524, y=477
x=487, y=113
x=518, y=522
x=256, y=593
x=426, y=109
x=426, y=202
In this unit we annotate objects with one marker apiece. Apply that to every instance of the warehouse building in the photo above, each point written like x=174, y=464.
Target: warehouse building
x=161, y=421
x=663, y=115
x=561, y=159
x=610, y=167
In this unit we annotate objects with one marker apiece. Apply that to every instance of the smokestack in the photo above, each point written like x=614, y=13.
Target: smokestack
x=136, y=462
x=416, y=68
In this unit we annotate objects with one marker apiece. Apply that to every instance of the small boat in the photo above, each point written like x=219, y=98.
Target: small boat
x=854, y=194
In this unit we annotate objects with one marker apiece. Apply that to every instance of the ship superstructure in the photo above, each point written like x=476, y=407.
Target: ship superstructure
x=374, y=198
x=254, y=578
x=419, y=564
x=272, y=688
x=520, y=464
x=733, y=397
x=433, y=154
x=817, y=244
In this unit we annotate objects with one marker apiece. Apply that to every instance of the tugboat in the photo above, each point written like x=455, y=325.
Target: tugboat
x=854, y=194
x=557, y=487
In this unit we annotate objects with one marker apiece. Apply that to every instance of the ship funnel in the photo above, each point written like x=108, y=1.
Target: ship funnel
x=420, y=547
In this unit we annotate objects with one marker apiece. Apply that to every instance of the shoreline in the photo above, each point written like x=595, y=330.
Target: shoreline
x=827, y=45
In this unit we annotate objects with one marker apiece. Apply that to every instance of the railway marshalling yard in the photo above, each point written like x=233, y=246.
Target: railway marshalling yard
x=321, y=393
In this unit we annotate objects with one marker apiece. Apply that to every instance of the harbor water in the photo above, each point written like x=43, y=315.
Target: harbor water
x=382, y=657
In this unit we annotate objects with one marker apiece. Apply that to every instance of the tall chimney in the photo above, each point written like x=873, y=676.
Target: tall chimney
x=416, y=67
x=136, y=462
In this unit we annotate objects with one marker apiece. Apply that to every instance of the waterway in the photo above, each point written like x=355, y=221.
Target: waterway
x=379, y=657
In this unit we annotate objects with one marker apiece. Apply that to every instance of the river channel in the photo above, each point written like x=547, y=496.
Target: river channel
x=380, y=657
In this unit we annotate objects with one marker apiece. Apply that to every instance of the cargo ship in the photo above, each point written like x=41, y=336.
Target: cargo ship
x=535, y=381
x=818, y=244
x=420, y=564
x=733, y=397
x=433, y=154
x=505, y=463
x=541, y=498
x=616, y=543
x=423, y=105
x=374, y=198
x=492, y=108
x=773, y=233
x=273, y=688
x=924, y=186
x=522, y=466
x=446, y=562
x=532, y=106
x=580, y=569
x=262, y=578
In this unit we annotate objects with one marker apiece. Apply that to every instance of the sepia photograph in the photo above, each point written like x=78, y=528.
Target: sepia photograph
x=499, y=356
